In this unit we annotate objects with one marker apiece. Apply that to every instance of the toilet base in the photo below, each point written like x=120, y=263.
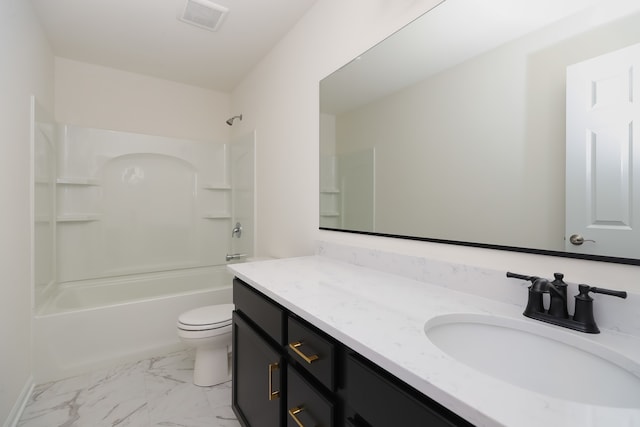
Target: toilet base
x=211, y=366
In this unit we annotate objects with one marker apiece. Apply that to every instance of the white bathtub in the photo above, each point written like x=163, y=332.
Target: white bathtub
x=93, y=324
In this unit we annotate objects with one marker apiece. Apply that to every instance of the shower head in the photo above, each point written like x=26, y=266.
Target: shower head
x=231, y=120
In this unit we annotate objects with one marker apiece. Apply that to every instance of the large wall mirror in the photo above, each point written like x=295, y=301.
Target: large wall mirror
x=504, y=124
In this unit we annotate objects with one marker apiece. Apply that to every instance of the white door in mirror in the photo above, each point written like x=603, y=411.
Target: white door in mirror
x=603, y=155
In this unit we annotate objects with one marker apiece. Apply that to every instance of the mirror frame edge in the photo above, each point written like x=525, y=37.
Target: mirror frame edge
x=532, y=251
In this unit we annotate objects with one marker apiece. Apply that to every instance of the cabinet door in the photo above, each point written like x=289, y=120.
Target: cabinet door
x=375, y=399
x=257, y=377
x=306, y=405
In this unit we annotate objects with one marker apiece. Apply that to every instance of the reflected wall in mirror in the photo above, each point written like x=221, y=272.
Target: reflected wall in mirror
x=455, y=129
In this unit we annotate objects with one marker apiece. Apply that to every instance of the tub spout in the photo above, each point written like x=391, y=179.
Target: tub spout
x=231, y=257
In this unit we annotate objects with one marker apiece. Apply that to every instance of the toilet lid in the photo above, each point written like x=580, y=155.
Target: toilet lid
x=208, y=317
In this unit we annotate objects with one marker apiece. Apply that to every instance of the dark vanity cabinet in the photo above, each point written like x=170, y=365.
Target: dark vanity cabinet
x=286, y=372
x=283, y=369
x=258, y=362
x=257, y=369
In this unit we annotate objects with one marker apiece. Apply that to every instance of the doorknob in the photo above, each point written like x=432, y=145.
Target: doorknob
x=577, y=239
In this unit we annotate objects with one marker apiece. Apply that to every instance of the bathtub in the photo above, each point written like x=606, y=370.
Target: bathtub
x=93, y=324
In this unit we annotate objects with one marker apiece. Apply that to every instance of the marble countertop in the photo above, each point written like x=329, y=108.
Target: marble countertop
x=382, y=317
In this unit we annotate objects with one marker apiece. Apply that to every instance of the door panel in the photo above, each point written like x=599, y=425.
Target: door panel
x=257, y=377
x=602, y=154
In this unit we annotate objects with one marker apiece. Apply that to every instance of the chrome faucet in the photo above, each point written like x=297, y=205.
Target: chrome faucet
x=237, y=231
x=557, y=314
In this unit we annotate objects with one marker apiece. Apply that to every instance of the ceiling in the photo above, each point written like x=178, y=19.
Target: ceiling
x=145, y=36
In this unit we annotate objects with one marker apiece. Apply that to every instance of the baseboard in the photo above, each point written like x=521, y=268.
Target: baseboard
x=18, y=407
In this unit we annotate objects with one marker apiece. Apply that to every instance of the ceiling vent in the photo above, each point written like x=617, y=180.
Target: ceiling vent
x=203, y=14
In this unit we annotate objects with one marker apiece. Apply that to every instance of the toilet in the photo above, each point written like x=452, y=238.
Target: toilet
x=208, y=329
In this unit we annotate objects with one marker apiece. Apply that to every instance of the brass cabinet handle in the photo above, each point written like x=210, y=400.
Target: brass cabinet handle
x=309, y=359
x=293, y=412
x=273, y=394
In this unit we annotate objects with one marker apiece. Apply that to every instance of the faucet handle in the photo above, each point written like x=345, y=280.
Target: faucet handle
x=521, y=276
x=558, y=302
x=585, y=289
x=237, y=230
x=584, y=307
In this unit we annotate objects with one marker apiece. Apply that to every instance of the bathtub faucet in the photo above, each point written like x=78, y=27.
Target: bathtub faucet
x=231, y=257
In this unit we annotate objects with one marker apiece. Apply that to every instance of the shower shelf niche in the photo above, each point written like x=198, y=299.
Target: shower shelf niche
x=77, y=180
x=329, y=191
x=329, y=206
x=73, y=189
x=216, y=187
x=78, y=218
x=219, y=201
x=217, y=215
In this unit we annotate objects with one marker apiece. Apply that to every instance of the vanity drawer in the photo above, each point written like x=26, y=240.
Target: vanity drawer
x=263, y=312
x=377, y=399
x=306, y=406
x=314, y=352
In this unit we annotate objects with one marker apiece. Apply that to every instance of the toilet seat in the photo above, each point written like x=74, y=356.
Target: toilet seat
x=209, y=330
x=206, y=318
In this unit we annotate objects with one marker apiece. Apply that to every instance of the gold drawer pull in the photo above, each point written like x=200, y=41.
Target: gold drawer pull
x=309, y=359
x=293, y=412
x=273, y=394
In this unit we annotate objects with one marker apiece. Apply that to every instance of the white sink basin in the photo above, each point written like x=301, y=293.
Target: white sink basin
x=540, y=358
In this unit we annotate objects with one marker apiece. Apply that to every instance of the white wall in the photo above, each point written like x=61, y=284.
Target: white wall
x=280, y=100
x=85, y=95
x=27, y=68
x=99, y=97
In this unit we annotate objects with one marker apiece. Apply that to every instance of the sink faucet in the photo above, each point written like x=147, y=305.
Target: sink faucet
x=538, y=288
x=558, y=314
x=558, y=301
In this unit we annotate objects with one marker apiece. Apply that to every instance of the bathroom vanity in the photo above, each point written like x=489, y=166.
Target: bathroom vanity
x=319, y=341
x=288, y=372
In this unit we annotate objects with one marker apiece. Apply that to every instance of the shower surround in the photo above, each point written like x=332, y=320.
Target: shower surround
x=130, y=203
x=142, y=227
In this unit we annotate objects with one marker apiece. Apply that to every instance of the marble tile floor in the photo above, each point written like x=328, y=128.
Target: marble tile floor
x=154, y=392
